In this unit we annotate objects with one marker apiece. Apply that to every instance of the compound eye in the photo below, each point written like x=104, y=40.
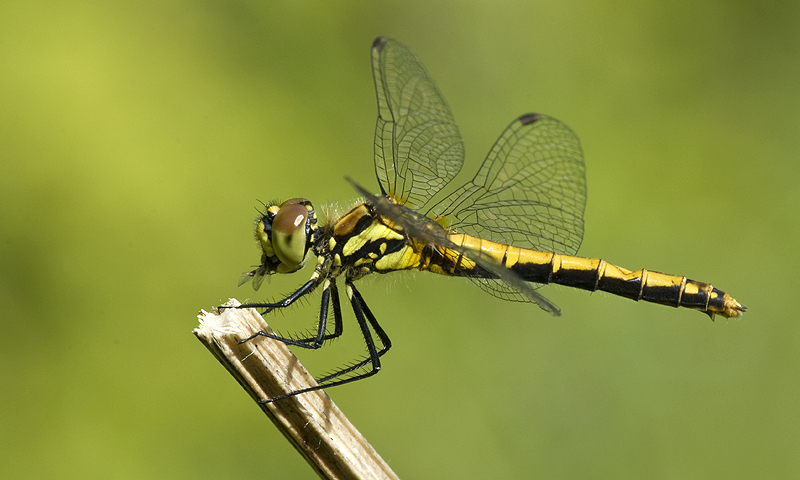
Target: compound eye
x=289, y=234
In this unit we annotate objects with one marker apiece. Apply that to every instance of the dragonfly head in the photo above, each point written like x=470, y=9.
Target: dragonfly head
x=286, y=234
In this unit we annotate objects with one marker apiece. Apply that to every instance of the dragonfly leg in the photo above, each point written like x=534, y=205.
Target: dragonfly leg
x=307, y=288
x=310, y=342
x=333, y=293
x=364, y=315
x=365, y=319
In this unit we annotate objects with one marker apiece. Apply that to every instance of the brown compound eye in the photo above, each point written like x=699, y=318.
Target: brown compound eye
x=289, y=233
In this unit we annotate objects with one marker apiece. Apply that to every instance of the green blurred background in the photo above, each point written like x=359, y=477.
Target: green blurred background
x=138, y=138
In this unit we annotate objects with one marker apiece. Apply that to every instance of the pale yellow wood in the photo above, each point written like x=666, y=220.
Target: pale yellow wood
x=311, y=421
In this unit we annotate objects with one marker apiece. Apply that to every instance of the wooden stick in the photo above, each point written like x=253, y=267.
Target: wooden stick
x=311, y=422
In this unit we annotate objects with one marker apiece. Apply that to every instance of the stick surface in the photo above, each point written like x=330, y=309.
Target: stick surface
x=266, y=368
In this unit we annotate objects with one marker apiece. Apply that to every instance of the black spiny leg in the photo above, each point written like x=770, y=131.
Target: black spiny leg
x=307, y=288
x=365, y=318
x=333, y=293
x=358, y=302
x=312, y=343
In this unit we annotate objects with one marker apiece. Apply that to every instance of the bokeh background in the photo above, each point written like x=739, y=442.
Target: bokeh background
x=137, y=139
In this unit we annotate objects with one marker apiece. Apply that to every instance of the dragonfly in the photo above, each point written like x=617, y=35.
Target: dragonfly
x=514, y=227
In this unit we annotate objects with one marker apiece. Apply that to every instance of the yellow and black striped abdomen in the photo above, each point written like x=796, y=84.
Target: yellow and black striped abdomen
x=588, y=274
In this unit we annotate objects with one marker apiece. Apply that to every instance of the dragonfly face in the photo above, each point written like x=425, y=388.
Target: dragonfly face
x=286, y=233
x=511, y=229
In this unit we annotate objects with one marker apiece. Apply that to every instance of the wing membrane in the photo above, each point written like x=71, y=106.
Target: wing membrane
x=530, y=191
x=418, y=148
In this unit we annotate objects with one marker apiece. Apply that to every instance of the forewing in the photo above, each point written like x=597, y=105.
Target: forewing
x=418, y=148
x=530, y=191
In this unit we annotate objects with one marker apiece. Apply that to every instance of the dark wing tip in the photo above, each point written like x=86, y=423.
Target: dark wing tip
x=529, y=118
x=379, y=43
x=363, y=191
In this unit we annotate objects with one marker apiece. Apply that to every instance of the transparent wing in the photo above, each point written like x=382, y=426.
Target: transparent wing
x=530, y=192
x=418, y=149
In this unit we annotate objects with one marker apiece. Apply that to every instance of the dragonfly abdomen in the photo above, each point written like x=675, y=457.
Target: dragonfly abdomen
x=591, y=274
